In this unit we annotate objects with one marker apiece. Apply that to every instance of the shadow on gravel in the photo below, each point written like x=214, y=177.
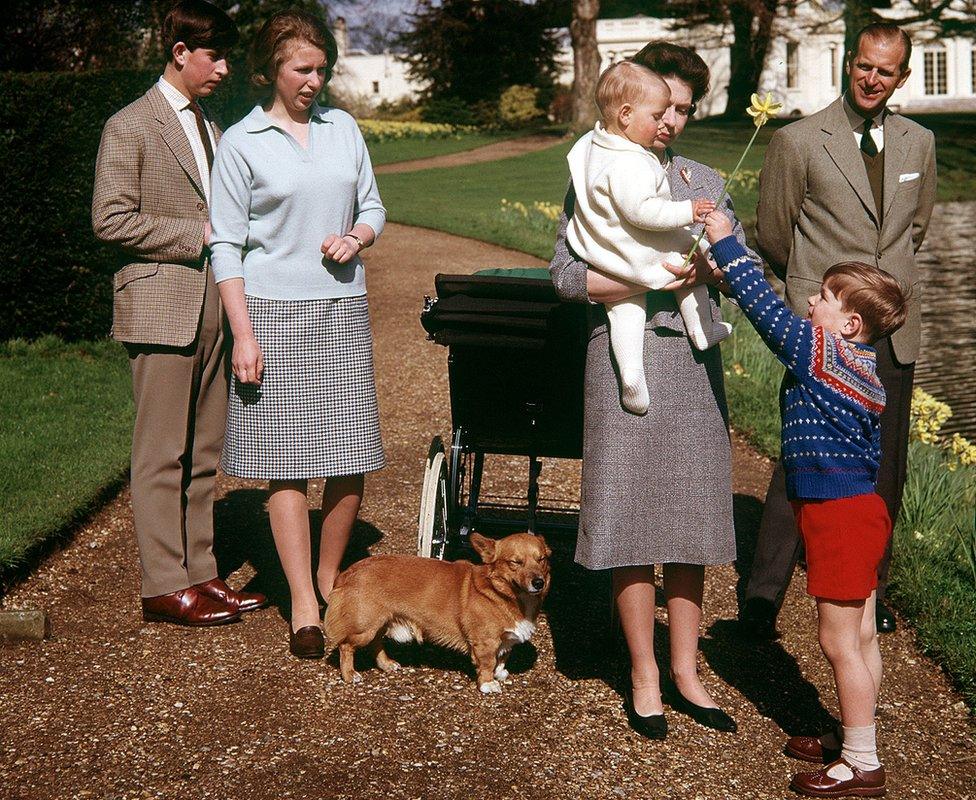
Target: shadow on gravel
x=242, y=533
x=765, y=674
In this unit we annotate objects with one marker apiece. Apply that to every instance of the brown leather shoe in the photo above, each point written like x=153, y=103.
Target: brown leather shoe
x=217, y=589
x=307, y=642
x=188, y=607
x=809, y=748
x=870, y=783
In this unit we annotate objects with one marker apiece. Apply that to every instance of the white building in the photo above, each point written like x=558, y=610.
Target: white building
x=805, y=60
x=803, y=66
x=366, y=79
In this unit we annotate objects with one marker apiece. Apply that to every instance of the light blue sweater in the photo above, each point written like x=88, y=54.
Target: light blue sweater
x=273, y=203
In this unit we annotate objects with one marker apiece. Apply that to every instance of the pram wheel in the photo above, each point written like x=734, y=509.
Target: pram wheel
x=433, y=520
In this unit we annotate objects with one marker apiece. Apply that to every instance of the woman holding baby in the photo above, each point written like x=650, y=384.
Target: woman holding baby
x=294, y=203
x=656, y=487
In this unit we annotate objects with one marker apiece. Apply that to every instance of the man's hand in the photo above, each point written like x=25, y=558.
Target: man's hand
x=247, y=360
x=717, y=226
x=207, y=233
x=339, y=248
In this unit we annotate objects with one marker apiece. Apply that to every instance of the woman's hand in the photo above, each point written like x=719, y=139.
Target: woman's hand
x=701, y=271
x=340, y=248
x=247, y=360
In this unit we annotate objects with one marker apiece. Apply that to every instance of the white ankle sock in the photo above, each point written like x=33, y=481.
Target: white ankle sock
x=633, y=392
x=860, y=748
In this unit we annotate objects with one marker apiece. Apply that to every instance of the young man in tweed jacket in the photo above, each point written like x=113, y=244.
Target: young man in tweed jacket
x=151, y=197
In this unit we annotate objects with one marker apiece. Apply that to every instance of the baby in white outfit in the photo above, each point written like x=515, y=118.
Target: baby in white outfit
x=626, y=224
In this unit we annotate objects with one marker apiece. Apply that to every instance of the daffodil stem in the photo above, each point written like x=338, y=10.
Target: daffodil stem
x=725, y=188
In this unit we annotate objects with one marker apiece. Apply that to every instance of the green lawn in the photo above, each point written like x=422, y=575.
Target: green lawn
x=65, y=428
x=408, y=149
x=466, y=200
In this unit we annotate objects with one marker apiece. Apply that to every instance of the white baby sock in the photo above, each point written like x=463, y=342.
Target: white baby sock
x=633, y=391
x=859, y=750
x=696, y=312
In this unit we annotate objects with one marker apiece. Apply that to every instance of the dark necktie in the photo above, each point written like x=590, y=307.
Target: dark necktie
x=868, y=147
x=205, y=137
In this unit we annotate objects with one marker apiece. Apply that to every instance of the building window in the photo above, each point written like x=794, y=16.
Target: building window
x=834, y=67
x=376, y=87
x=792, y=64
x=935, y=71
x=972, y=70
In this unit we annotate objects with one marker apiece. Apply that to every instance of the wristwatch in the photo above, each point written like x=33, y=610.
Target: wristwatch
x=360, y=242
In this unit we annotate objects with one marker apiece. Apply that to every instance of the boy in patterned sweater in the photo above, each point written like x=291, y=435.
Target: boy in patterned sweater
x=831, y=446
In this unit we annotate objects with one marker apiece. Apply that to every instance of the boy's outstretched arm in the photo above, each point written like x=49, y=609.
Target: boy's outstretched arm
x=787, y=335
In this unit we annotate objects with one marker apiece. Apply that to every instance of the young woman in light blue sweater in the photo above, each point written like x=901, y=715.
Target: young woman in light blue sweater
x=294, y=202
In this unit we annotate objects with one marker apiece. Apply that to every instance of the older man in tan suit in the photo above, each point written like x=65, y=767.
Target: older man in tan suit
x=854, y=181
x=152, y=189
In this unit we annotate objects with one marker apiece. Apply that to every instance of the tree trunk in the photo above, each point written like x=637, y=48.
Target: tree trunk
x=586, y=62
x=752, y=25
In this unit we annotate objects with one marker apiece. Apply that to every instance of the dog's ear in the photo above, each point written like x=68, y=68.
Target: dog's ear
x=545, y=547
x=483, y=546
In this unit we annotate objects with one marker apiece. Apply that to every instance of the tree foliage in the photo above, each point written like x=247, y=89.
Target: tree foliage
x=474, y=49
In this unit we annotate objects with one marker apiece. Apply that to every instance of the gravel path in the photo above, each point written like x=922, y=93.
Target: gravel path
x=113, y=708
x=490, y=152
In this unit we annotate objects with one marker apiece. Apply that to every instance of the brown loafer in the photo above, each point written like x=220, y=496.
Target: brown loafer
x=810, y=749
x=307, y=642
x=864, y=783
x=188, y=607
x=218, y=589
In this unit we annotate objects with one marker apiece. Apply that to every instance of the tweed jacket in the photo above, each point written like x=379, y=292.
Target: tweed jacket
x=816, y=208
x=688, y=179
x=149, y=203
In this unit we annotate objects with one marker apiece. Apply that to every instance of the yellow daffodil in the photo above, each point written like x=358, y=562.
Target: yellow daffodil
x=763, y=109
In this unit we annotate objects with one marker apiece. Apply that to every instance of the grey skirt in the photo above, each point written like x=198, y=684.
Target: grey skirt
x=658, y=488
x=315, y=413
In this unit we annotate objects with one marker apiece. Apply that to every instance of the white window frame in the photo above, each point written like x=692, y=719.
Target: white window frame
x=935, y=70
x=792, y=65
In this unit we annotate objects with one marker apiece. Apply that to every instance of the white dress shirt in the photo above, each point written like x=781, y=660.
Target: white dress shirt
x=857, y=123
x=187, y=119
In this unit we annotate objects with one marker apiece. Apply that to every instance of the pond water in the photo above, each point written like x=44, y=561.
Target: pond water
x=947, y=365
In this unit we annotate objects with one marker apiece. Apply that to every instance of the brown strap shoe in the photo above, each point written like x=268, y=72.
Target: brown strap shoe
x=217, y=589
x=810, y=749
x=188, y=607
x=864, y=783
x=307, y=642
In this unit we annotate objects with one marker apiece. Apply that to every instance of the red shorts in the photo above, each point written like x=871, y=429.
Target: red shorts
x=845, y=540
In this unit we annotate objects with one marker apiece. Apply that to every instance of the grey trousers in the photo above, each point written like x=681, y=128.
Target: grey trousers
x=181, y=407
x=778, y=546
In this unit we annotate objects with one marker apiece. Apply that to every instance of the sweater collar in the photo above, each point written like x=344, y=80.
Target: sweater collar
x=258, y=120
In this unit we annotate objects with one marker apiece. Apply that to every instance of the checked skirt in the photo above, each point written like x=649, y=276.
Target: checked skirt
x=315, y=413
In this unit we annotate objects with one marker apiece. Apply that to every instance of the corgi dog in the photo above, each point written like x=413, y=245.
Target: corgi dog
x=481, y=609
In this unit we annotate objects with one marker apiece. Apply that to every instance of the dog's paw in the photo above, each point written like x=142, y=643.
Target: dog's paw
x=356, y=678
x=389, y=665
x=490, y=687
x=501, y=673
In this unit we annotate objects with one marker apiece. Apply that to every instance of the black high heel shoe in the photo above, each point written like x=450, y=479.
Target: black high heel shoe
x=709, y=717
x=654, y=726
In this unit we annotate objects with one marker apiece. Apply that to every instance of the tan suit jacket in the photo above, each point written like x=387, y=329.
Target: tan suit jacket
x=816, y=208
x=149, y=203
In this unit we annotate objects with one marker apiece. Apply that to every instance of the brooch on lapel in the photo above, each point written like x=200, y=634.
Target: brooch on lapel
x=685, y=175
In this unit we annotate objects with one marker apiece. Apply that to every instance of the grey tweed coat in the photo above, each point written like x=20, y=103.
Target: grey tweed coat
x=657, y=488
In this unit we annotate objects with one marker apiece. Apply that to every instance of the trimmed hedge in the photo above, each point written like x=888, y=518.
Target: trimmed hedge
x=55, y=277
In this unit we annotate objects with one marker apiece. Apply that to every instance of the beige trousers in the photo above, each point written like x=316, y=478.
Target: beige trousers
x=181, y=406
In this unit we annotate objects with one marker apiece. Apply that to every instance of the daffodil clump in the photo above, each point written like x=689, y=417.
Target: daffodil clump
x=539, y=215
x=748, y=179
x=928, y=415
x=379, y=130
x=927, y=418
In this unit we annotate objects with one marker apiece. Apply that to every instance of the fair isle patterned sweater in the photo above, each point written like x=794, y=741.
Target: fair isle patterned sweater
x=832, y=398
